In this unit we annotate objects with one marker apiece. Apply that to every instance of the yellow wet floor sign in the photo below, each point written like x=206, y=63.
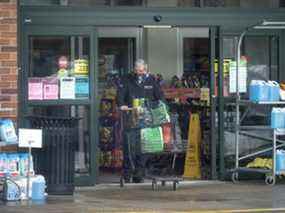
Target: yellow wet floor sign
x=192, y=167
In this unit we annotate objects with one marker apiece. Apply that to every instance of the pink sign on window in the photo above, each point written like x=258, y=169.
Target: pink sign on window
x=50, y=87
x=35, y=89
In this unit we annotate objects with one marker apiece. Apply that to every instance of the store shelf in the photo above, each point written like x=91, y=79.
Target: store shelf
x=5, y=144
x=248, y=102
x=263, y=128
x=59, y=102
x=255, y=170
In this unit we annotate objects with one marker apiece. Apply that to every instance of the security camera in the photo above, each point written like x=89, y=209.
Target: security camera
x=157, y=18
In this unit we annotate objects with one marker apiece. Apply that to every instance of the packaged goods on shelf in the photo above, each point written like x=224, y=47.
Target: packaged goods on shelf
x=280, y=161
x=278, y=118
x=16, y=188
x=264, y=91
x=3, y=164
x=7, y=131
x=274, y=91
x=35, y=89
x=23, y=164
x=12, y=164
x=15, y=164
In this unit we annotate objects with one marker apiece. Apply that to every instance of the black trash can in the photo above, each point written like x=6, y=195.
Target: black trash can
x=55, y=161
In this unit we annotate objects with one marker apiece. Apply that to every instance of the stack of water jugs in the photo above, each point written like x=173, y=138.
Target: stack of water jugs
x=260, y=91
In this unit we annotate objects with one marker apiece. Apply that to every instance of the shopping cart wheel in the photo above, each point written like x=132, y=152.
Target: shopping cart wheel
x=175, y=184
x=154, y=185
x=122, y=182
x=270, y=180
x=235, y=177
x=163, y=183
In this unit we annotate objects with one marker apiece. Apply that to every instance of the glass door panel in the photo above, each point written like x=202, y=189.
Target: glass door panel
x=58, y=68
x=117, y=51
x=59, y=73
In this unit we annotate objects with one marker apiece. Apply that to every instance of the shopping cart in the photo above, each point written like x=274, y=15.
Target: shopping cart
x=170, y=150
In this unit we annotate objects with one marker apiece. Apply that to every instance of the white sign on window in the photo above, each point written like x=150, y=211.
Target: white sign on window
x=67, y=88
x=242, y=75
x=30, y=138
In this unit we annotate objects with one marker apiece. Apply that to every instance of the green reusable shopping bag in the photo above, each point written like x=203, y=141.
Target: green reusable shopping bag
x=151, y=140
x=160, y=114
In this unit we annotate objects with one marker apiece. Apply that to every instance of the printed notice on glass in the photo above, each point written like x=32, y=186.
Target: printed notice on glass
x=67, y=88
x=242, y=75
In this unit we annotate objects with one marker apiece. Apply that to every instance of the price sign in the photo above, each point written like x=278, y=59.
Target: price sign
x=30, y=138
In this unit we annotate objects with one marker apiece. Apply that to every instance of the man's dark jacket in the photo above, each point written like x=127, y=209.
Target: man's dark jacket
x=130, y=88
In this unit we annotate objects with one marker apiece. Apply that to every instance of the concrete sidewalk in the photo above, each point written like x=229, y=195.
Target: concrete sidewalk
x=190, y=197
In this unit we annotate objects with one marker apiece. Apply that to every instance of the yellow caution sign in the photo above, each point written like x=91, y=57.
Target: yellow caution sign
x=192, y=167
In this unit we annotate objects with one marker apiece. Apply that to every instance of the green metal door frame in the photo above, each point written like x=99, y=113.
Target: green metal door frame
x=47, y=20
x=92, y=103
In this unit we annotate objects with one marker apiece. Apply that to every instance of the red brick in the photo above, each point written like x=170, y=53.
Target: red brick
x=4, y=14
x=4, y=41
x=8, y=114
x=9, y=91
x=9, y=35
x=8, y=21
x=9, y=63
x=4, y=71
x=13, y=27
x=5, y=98
x=9, y=49
x=9, y=105
x=14, y=84
x=4, y=56
x=9, y=77
x=4, y=27
x=8, y=6
x=13, y=56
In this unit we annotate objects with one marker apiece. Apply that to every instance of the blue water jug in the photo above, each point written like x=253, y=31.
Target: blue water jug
x=274, y=91
x=277, y=118
x=280, y=161
x=38, y=188
x=259, y=91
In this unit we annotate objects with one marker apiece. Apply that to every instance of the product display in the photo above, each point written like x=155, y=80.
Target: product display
x=264, y=91
x=278, y=118
x=15, y=164
x=280, y=161
x=7, y=131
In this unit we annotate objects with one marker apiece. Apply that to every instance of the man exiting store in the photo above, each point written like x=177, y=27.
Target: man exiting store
x=139, y=85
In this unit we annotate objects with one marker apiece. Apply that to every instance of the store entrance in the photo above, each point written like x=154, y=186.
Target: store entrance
x=180, y=59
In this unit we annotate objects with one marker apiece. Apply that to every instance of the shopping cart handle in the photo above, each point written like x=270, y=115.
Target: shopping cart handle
x=126, y=109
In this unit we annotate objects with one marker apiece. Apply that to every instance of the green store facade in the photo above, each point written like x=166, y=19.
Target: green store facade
x=82, y=31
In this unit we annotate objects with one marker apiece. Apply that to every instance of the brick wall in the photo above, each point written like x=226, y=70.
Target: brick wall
x=8, y=59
